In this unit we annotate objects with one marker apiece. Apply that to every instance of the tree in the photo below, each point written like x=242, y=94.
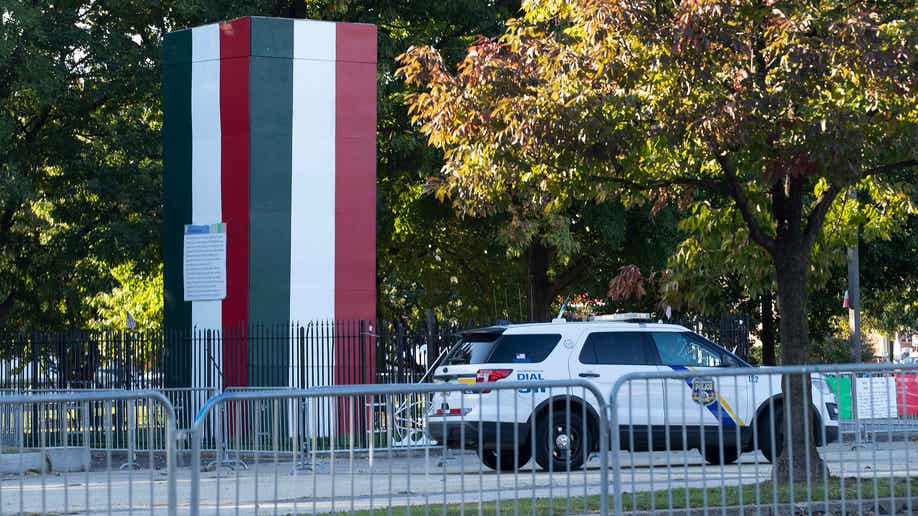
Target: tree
x=139, y=296
x=561, y=235
x=79, y=175
x=779, y=107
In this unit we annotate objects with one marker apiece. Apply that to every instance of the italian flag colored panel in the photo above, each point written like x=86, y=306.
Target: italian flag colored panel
x=270, y=127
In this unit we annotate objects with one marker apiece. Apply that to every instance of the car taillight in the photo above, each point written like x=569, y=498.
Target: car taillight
x=491, y=375
x=452, y=412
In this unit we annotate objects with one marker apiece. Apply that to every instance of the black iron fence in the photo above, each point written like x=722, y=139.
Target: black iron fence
x=301, y=355
x=306, y=354
x=86, y=359
x=297, y=354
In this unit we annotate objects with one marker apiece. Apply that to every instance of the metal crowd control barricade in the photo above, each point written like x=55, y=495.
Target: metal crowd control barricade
x=344, y=478
x=187, y=401
x=65, y=476
x=768, y=440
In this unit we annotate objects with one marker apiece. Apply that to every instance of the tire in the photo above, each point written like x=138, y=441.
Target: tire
x=507, y=459
x=771, y=454
x=562, y=441
x=713, y=456
x=765, y=446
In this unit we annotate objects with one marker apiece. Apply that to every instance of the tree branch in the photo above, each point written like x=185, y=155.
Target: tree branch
x=742, y=203
x=817, y=216
x=892, y=167
x=708, y=184
x=34, y=125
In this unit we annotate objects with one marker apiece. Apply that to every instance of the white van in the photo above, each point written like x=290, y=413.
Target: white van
x=719, y=416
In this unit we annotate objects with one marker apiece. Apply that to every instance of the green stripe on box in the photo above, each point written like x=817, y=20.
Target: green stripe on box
x=271, y=126
x=177, y=49
x=177, y=195
x=842, y=387
x=272, y=37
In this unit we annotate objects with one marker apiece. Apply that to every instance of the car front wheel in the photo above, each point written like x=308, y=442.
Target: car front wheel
x=716, y=455
x=771, y=446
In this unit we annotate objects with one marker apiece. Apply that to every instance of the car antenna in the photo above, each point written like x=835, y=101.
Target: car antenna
x=560, y=317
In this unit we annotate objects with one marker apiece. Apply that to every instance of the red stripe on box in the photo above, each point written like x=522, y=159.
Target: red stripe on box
x=907, y=393
x=234, y=124
x=355, y=190
x=355, y=42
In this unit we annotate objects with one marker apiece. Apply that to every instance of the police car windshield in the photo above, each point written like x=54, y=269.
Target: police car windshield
x=505, y=349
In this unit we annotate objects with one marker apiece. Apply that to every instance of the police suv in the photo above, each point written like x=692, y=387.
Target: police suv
x=719, y=416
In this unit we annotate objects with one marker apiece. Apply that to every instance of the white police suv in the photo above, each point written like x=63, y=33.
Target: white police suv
x=719, y=416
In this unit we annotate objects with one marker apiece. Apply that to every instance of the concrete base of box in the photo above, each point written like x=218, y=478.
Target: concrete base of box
x=15, y=462
x=67, y=459
x=58, y=459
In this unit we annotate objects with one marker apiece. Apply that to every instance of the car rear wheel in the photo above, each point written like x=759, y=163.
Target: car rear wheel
x=562, y=441
x=507, y=459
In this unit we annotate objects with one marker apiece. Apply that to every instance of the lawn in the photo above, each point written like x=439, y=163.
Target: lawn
x=682, y=498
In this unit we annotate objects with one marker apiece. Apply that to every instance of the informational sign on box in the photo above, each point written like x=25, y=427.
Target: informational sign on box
x=876, y=397
x=204, y=262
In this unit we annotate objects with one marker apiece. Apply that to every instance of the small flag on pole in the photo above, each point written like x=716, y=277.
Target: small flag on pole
x=847, y=302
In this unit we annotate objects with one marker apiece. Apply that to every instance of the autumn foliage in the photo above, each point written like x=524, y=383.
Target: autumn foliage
x=771, y=109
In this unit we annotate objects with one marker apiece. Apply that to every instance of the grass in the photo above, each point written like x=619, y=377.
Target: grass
x=660, y=500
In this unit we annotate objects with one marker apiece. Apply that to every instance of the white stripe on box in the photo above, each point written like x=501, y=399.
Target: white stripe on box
x=205, y=182
x=205, y=43
x=314, y=40
x=312, y=213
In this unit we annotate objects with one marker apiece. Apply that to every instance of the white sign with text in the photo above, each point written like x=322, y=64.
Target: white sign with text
x=204, y=262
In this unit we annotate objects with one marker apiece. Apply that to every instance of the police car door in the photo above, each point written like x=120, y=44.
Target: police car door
x=607, y=355
x=701, y=400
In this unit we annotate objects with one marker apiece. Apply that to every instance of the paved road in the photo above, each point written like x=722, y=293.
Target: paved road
x=403, y=479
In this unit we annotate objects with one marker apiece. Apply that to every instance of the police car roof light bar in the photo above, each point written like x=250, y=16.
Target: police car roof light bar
x=626, y=317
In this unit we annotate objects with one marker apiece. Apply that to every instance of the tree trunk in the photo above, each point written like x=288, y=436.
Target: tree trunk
x=769, y=339
x=539, y=283
x=431, y=318
x=798, y=460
